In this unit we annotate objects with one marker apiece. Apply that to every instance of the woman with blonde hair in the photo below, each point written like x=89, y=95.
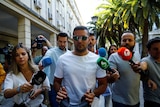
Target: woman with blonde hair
x=18, y=83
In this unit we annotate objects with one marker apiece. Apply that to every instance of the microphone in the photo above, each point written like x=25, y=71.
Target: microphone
x=125, y=54
x=102, y=52
x=38, y=78
x=46, y=62
x=102, y=61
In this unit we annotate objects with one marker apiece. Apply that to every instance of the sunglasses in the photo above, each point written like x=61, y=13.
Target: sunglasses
x=83, y=38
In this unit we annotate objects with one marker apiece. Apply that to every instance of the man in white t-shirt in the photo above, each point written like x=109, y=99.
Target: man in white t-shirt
x=77, y=72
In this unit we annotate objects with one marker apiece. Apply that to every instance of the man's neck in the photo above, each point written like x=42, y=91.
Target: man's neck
x=80, y=53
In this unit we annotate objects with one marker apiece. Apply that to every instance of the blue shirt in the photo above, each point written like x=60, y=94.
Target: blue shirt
x=54, y=54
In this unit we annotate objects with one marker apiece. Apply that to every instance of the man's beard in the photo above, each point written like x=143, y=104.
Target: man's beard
x=62, y=48
x=129, y=47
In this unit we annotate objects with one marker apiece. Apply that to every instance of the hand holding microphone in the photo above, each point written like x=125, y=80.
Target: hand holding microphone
x=126, y=54
x=38, y=78
x=45, y=62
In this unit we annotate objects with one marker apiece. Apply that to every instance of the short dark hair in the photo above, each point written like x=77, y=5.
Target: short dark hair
x=81, y=28
x=151, y=41
x=91, y=34
x=62, y=34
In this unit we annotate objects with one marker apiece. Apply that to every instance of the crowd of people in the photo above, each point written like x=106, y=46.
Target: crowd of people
x=74, y=79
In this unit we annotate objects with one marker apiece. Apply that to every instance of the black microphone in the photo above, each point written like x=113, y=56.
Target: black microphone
x=38, y=78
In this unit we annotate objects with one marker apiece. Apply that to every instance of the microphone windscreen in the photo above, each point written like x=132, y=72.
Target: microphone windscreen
x=125, y=53
x=38, y=78
x=102, y=52
x=46, y=62
x=103, y=63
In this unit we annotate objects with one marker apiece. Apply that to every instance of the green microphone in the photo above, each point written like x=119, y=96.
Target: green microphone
x=104, y=64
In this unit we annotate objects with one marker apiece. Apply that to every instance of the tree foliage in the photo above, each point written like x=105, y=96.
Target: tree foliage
x=116, y=16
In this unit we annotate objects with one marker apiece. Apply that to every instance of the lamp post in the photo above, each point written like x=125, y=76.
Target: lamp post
x=94, y=20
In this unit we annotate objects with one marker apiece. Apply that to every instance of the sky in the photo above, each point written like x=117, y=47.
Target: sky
x=87, y=8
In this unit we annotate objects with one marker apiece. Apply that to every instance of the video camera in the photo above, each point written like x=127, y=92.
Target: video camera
x=39, y=42
x=5, y=54
x=7, y=49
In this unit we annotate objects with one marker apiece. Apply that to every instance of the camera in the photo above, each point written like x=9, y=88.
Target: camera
x=7, y=49
x=39, y=42
x=5, y=54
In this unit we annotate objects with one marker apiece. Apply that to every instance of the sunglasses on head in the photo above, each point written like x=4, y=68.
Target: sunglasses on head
x=83, y=38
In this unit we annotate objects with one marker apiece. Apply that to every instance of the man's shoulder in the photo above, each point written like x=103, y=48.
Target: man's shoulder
x=92, y=53
x=147, y=58
x=114, y=54
x=66, y=55
x=52, y=50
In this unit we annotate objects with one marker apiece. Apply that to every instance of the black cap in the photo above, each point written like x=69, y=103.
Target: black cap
x=151, y=41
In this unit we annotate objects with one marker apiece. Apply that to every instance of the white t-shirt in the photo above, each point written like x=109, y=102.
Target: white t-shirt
x=79, y=74
x=13, y=81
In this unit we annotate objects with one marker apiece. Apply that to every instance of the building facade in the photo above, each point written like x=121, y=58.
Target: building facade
x=23, y=20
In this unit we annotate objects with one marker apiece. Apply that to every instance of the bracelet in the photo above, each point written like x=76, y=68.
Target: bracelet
x=43, y=89
x=18, y=89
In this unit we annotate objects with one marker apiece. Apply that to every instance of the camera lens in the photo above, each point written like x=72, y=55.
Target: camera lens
x=39, y=45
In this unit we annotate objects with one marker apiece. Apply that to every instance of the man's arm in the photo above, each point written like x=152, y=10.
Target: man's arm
x=57, y=84
x=112, y=77
x=102, y=85
x=49, y=45
x=61, y=91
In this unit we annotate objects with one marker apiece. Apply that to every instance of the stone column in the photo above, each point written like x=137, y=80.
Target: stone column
x=24, y=31
x=53, y=39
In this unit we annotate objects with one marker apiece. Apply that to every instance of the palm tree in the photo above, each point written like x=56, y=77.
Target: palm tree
x=142, y=14
x=135, y=15
x=108, y=29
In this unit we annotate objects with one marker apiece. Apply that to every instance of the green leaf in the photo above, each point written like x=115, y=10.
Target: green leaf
x=139, y=14
x=134, y=8
x=157, y=21
x=153, y=15
x=115, y=20
x=144, y=3
x=146, y=11
x=125, y=17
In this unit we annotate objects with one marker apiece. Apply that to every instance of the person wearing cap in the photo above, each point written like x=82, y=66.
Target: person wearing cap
x=151, y=64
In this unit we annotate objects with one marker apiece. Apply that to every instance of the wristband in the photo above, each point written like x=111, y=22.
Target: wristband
x=18, y=89
x=43, y=89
